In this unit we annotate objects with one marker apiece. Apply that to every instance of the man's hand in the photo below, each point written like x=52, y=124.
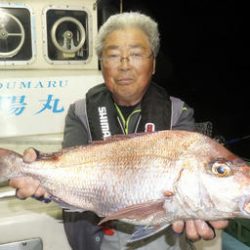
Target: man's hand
x=27, y=186
x=199, y=229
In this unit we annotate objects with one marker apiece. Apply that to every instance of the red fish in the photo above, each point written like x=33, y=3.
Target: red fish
x=151, y=179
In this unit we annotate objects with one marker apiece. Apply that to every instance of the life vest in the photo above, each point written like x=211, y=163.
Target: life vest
x=103, y=118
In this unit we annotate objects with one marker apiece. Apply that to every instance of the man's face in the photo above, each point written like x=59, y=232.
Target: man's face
x=127, y=65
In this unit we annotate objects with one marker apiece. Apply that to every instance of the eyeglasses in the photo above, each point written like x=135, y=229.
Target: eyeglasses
x=133, y=58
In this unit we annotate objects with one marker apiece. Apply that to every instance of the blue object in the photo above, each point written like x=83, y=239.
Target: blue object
x=231, y=243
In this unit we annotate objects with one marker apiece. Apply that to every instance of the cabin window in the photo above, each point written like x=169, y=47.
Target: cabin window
x=16, y=35
x=67, y=35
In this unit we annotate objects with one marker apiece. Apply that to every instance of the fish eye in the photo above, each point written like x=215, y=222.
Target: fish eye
x=221, y=169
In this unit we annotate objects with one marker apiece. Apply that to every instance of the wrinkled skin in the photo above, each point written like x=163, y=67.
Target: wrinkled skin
x=194, y=229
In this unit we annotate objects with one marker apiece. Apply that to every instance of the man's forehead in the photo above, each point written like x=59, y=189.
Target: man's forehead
x=120, y=47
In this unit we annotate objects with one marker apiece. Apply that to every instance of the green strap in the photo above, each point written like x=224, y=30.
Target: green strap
x=125, y=123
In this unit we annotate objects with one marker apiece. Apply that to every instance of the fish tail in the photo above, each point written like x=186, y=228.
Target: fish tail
x=10, y=164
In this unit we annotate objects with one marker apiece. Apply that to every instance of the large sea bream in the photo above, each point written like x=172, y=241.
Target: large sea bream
x=149, y=179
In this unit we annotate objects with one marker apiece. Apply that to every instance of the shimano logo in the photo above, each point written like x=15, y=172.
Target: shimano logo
x=104, y=122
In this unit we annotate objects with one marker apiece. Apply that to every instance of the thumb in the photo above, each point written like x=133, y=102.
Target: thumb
x=30, y=155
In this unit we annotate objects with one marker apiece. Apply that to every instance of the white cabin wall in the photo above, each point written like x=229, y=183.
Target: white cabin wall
x=24, y=220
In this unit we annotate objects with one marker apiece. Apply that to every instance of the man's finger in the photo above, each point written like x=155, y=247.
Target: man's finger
x=191, y=231
x=178, y=226
x=205, y=231
x=220, y=224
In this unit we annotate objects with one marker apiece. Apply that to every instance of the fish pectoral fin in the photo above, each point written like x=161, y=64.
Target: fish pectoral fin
x=143, y=232
x=138, y=211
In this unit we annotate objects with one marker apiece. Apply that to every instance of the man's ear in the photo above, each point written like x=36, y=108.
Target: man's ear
x=154, y=66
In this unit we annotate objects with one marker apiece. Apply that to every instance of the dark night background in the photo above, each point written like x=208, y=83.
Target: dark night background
x=203, y=60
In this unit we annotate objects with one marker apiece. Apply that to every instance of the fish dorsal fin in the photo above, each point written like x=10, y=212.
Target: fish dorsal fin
x=120, y=137
x=141, y=211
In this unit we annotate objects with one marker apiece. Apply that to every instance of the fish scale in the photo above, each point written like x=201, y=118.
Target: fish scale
x=149, y=179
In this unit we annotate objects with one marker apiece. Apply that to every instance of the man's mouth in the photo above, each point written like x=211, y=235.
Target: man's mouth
x=124, y=81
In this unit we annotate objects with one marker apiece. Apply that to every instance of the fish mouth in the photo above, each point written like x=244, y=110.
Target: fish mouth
x=246, y=206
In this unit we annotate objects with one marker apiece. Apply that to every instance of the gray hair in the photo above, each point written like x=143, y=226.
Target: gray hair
x=125, y=20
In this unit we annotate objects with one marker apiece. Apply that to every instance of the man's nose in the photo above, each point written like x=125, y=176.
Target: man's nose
x=124, y=58
x=125, y=62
